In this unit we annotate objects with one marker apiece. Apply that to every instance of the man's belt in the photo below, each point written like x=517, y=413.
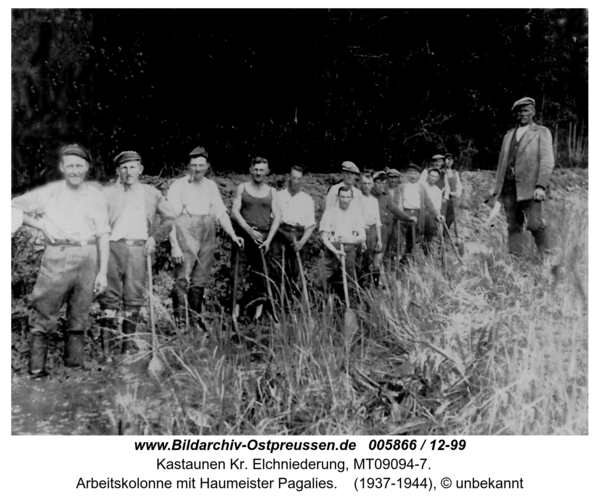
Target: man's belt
x=73, y=243
x=371, y=226
x=130, y=242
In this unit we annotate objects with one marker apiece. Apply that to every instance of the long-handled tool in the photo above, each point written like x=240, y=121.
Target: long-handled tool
x=413, y=229
x=460, y=245
x=156, y=365
x=452, y=242
x=398, y=229
x=267, y=280
x=304, y=286
x=441, y=228
x=234, y=313
x=282, y=292
x=350, y=321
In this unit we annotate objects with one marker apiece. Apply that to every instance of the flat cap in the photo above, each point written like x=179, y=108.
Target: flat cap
x=434, y=169
x=379, y=175
x=75, y=149
x=393, y=173
x=126, y=156
x=438, y=157
x=524, y=101
x=199, y=152
x=412, y=166
x=350, y=167
x=449, y=155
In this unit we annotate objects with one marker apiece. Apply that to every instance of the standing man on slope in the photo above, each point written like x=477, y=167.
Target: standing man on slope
x=365, y=253
x=350, y=174
x=455, y=187
x=256, y=211
x=524, y=168
x=297, y=224
x=197, y=204
x=74, y=220
x=132, y=210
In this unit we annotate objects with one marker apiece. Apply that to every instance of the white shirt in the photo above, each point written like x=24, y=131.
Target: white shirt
x=411, y=196
x=435, y=194
x=131, y=222
x=343, y=225
x=196, y=199
x=298, y=209
x=332, y=196
x=68, y=214
x=370, y=211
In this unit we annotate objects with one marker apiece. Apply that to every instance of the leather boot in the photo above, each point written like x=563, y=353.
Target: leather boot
x=178, y=297
x=195, y=301
x=74, y=344
x=130, y=320
x=38, y=347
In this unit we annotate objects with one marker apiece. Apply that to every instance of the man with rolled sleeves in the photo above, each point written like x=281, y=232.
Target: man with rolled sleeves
x=415, y=201
x=524, y=168
x=389, y=213
x=350, y=174
x=341, y=224
x=73, y=217
x=197, y=205
x=297, y=210
x=133, y=208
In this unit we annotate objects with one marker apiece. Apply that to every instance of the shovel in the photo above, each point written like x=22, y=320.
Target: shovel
x=441, y=228
x=156, y=365
x=452, y=242
x=350, y=321
x=236, y=266
x=304, y=286
x=269, y=291
x=461, y=246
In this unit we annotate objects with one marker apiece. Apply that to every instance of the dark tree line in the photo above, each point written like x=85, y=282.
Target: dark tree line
x=379, y=87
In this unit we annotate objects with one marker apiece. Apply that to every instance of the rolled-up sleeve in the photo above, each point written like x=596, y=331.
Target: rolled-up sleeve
x=100, y=214
x=217, y=206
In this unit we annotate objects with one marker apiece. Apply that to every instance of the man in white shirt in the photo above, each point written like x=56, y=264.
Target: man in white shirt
x=350, y=175
x=297, y=210
x=341, y=225
x=454, y=186
x=73, y=217
x=365, y=253
x=132, y=210
x=197, y=204
x=430, y=229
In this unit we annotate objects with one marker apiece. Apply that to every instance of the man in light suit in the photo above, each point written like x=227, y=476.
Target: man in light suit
x=524, y=168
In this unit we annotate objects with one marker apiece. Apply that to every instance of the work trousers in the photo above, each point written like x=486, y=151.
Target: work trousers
x=365, y=258
x=196, y=236
x=285, y=240
x=67, y=274
x=126, y=276
x=332, y=270
x=408, y=232
x=517, y=213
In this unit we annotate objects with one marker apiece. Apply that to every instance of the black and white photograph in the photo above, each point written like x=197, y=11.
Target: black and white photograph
x=299, y=222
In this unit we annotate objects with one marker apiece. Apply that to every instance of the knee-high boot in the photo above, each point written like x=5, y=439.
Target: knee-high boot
x=74, y=344
x=38, y=347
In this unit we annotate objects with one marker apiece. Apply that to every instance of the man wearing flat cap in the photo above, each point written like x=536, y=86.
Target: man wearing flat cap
x=525, y=165
x=133, y=208
x=197, y=204
x=73, y=217
x=350, y=174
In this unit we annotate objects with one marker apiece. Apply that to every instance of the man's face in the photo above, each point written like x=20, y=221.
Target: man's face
x=349, y=178
x=259, y=172
x=449, y=162
x=345, y=197
x=130, y=172
x=366, y=185
x=74, y=169
x=295, y=180
x=525, y=115
x=439, y=163
x=380, y=185
x=413, y=175
x=433, y=177
x=198, y=167
x=393, y=181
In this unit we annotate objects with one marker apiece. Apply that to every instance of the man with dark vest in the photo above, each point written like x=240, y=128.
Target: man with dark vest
x=524, y=168
x=256, y=212
x=197, y=204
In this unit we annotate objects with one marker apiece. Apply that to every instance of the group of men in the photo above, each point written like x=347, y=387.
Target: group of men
x=100, y=242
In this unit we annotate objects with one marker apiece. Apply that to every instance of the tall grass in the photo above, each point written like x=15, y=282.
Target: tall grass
x=494, y=346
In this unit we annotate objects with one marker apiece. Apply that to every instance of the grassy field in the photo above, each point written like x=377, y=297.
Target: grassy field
x=492, y=346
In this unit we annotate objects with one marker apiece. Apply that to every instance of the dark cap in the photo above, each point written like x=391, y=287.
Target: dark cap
x=379, y=175
x=524, y=101
x=350, y=167
x=126, y=156
x=412, y=166
x=75, y=149
x=199, y=152
x=449, y=155
x=393, y=173
x=434, y=169
x=437, y=157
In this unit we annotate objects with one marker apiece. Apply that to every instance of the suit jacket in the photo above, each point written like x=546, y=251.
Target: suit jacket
x=534, y=162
